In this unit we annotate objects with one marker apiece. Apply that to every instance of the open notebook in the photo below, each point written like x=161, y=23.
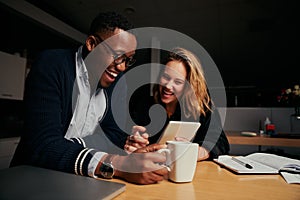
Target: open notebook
x=262, y=163
x=27, y=182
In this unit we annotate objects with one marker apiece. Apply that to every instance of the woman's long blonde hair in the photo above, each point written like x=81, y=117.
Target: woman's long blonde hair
x=195, y=100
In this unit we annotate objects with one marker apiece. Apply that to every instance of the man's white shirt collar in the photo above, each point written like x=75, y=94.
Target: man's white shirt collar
x=88, y=106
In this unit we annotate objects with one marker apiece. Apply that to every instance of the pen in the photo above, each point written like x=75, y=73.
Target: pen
x=242, y=163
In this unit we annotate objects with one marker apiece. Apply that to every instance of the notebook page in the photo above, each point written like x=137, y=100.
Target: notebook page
x=257, y=167
x=272, y=160
x=291, y=178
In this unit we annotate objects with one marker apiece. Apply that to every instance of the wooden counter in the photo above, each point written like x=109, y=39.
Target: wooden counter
x=213, y=182
x=234, y=137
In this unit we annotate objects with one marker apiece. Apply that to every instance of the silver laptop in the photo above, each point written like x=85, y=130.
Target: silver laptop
x=27, y=182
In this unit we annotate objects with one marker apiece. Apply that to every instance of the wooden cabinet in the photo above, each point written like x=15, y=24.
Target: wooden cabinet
x=12, y=76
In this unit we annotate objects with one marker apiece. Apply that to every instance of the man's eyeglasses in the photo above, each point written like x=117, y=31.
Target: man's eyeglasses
x=118, y=59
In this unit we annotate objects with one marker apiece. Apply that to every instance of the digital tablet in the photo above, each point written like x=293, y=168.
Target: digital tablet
x=179, y=129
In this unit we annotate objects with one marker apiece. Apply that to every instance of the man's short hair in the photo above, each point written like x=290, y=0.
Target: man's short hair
x=109, y=21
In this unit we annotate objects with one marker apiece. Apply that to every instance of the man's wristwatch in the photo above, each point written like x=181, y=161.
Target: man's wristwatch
x=107, y=169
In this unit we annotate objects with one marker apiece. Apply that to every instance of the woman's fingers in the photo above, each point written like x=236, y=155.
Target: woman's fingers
x=138, y=129
x=136, y=140
x=140, y=139
x=181, y=139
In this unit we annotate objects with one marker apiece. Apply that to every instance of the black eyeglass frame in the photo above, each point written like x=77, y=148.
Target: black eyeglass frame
x=118, y=59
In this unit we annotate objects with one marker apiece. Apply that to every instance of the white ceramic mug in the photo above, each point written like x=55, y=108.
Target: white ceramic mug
x=181, y=159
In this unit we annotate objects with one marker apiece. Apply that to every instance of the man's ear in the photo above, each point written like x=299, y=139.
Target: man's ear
x=91, y=43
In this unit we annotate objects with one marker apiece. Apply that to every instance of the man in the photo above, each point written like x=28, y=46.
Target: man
x=56, y=128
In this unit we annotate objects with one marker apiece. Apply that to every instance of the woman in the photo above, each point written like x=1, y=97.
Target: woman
x=183, y=92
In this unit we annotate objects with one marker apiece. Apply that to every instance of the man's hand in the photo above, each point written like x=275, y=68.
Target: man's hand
x=142, y=166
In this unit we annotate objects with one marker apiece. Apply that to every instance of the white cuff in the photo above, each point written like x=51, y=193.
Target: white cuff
x=94, y=162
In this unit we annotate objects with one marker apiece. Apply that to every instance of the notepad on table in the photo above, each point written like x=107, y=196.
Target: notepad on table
x=263, y=163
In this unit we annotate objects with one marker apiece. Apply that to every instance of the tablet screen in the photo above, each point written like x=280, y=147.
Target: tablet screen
x=179, y=129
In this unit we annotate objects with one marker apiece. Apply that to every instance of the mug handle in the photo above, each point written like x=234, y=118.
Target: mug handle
x=168, y=152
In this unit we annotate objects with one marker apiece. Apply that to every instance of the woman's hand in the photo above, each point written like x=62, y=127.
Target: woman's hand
x=136, y=140
x=203, y=154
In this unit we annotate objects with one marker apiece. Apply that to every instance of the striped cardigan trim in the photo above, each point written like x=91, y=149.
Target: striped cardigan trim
x=82, y=161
